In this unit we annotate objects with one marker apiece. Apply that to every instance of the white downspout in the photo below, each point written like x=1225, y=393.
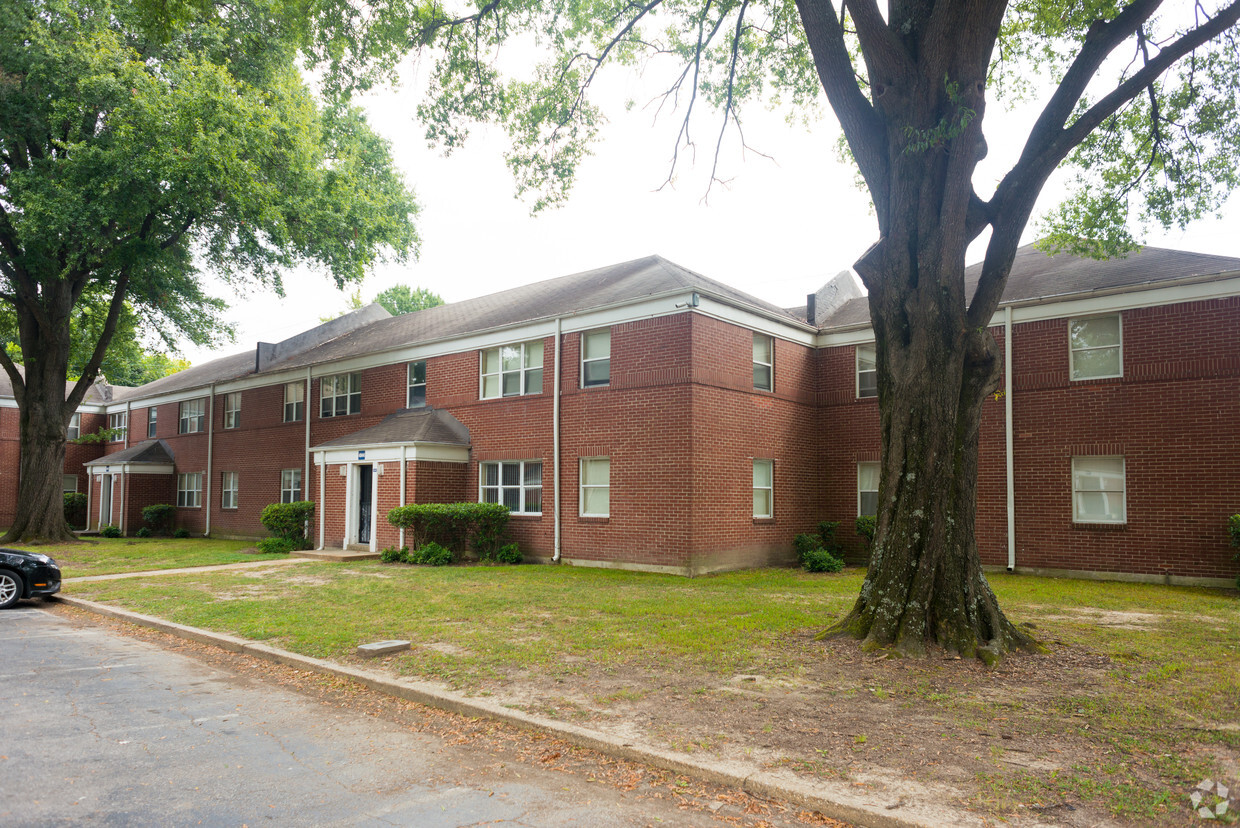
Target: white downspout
x=403, y=462
x=322, y=467
x=90, y=489
x=127, y=423
x=124, y=481
x=555, y=440
x=1007, y=435
x=210, y=446
x=305, y=408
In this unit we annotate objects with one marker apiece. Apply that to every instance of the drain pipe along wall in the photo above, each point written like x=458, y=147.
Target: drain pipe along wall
x=555, y=438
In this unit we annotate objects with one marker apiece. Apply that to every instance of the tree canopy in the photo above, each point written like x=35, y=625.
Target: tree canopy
x=401, y=298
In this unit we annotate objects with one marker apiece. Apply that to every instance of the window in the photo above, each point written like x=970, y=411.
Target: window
x=867, y=489
x=763, y=361
x=417, y=384
x=1096, y=347
x=68, y=482
x=512, y=370
x=596, y=358
x=867, y=372
x=516, y=484
x=117, y=425
x=596, y=486
x=340, y=394
x=1098, y=490
x=75, y=427
x=232, y=409
x=228, y=490
x=152, y=414
x=290, y=486
x=191, y=416
x=294, y=402
x=764, y=488
x=189, y=490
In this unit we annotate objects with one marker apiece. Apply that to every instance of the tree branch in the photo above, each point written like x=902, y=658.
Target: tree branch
x=91, y=369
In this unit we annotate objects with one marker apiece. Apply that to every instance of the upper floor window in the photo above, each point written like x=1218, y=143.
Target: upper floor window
x=152, y=415
x=117, y=424
x=512, y=370
x=764, y=488
x=290, y=486
x=1096, y=347
x=75, y=427
x=191, y=420
x=294, y=402
x=596, y=358
x=417, y=384
x=232, y=409
x=1098, y=490
x=867, y=489
x=340, y=394
x=763, y=361
x=867, y=371
x=517, y=484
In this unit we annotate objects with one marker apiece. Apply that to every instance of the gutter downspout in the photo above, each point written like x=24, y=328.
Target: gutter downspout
x=322, y=466
x=90, y=490
x=404, y=461
x=1007, y=436
x=555, y=439
x=124, y=485
x=127, y=423
x=305, y=475
x=210, y=446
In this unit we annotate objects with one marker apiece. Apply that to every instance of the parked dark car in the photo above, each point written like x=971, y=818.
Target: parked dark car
x=26, y=575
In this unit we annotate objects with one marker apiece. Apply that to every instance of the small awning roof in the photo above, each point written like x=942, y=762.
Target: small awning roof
x=406, y=427
x=153, y=452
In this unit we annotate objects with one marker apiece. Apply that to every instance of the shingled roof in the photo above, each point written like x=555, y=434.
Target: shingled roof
x=94, y=394
x=410, y=425
x=1036, y=275
x=155, y=452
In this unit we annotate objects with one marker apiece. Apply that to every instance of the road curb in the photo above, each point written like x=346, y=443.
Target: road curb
x=831, y=799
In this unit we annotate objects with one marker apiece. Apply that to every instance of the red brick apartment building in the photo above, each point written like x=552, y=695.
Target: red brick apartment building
x=646, y=417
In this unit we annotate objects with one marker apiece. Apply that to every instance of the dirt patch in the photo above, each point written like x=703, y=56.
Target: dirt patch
x=1120, y=619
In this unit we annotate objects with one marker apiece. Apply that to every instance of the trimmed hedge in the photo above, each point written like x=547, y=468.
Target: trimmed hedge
x=160, y=517
x=75, y=509
x=107, y=530
x=276, y=546
x=820, y=552
x=455, y=526
x=288, y=521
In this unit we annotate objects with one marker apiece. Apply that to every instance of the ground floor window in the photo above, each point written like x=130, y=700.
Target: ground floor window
x=596, y=486
x=68, y=482
x=867, y=489
x=1098, y=490
x=515, y=483
x=764, y=488
x=290, y=486
x=228, y=490
x=189, y=490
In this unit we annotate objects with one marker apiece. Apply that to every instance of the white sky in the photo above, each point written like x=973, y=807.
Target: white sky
x=780, y=230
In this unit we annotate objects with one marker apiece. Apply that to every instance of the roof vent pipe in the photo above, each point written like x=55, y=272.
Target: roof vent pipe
x=811, y=309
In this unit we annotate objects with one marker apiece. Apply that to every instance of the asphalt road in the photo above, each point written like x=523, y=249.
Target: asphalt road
x=98, y=728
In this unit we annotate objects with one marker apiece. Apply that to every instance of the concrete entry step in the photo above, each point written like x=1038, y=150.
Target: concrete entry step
x=336, y=555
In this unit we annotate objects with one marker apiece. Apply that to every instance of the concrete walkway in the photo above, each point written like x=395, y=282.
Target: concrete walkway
x=187, y=570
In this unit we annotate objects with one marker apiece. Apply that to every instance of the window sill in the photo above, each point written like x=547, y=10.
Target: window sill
x=761, y=520
x=1104, y=527
x=594, y=518
x=526, y=515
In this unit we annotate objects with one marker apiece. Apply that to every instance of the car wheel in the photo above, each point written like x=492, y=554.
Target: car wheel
x=11, y=587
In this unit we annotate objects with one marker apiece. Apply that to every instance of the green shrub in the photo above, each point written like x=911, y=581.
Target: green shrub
x=142, y=532
x=276, y=546
x=820, y=560
x=181, y=534
x=867, y=525
x=432, y=554
x=456, y=526
x=289, y=521
x=806, y=543
x=509, y=553
x=75, y=509
x=1233, y=529
x=107, y=530
x=160, y=518
x=394, y=555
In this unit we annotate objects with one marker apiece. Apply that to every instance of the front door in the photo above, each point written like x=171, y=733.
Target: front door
x=364, y=483
x=105, y=499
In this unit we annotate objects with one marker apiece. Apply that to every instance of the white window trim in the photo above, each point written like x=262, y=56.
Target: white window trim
x=121, y=427
x=582, y=486
x=293, y=493
x=770, y=366
x=232, y=415
x=152, y=422
x=410, y=384
x=192, y=412
x=769, y=489
x=520, y=487
x=857, y=371
x=1076, y=516
x=499, y=374
x=225, y=489
x=586, y=360
x=861, y=491
x=299, y=401
x=74, y=430
x=65, y=477
x=353, y=387
x=1119, y=324
x=183, y=488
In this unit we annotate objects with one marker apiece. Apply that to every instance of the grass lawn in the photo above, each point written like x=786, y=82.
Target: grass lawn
x=1137, y=699
x=106, y=556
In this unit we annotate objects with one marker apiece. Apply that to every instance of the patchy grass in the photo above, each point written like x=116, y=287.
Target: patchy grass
x=1137, y=699
x=107, y=556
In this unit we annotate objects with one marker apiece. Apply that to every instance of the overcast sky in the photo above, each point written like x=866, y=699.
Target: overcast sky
x=780, y=229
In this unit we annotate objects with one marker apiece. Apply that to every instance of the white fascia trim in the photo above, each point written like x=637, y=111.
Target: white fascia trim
x=131, y=468
x=753, y=319
x=87, y=408
x=1196, y=289
x=388, y=452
